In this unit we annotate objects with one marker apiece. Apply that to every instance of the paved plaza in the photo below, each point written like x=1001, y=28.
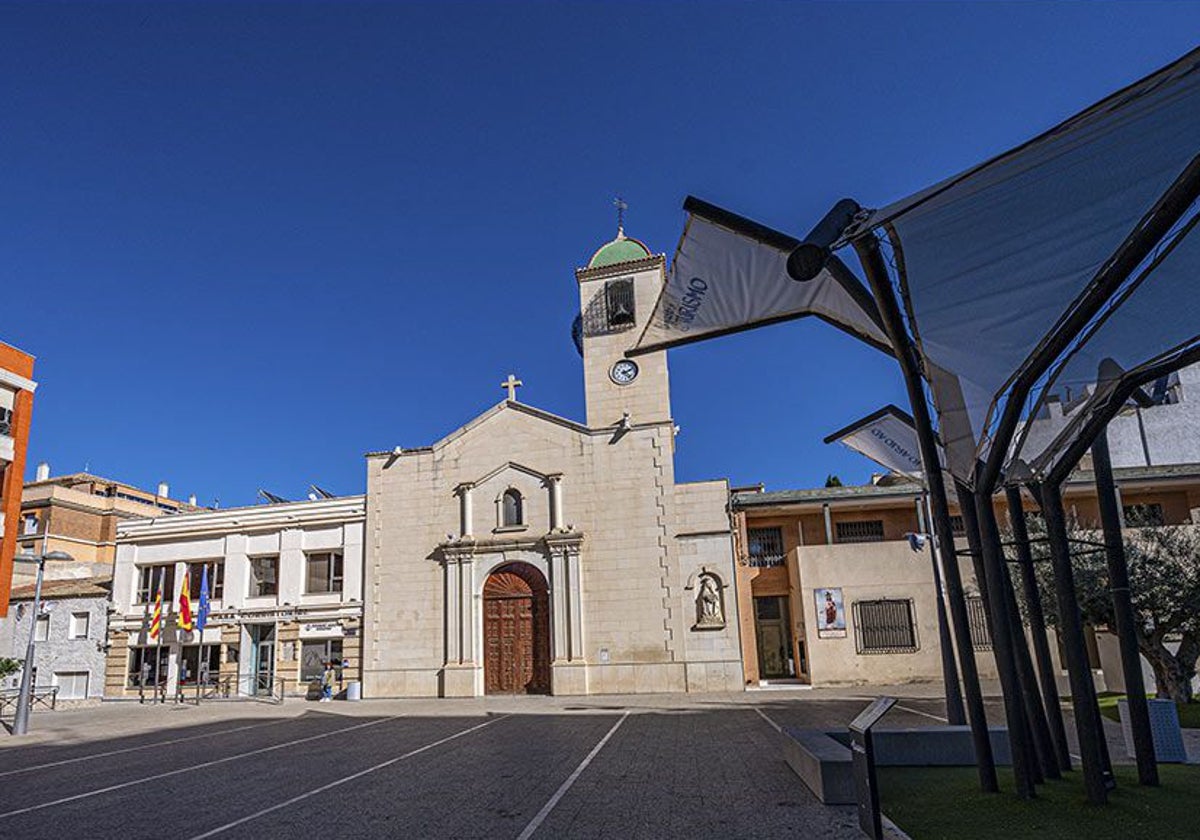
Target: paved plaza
x=654, y=766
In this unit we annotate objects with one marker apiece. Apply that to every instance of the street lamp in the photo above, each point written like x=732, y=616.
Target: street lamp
x=21, y=719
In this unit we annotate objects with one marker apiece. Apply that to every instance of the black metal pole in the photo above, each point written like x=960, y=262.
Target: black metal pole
x=1118, y=582
x=1037, y=628
x=876, y=272
x=1035, y=712
x=991, y=590
x=1070, y=627
x=956, y=713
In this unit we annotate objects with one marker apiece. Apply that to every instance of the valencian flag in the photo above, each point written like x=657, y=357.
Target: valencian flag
x=184, y=618
x=202, y=612
x=156, y=615
x=730, y=274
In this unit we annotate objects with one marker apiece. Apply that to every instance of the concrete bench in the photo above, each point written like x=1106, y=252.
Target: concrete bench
x=821, y=762
x=822, y=759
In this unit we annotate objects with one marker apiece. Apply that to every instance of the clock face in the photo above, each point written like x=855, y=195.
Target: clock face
x=623, y=372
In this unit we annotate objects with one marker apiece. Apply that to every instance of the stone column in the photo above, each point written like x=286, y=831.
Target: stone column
x=556, y=508
x=574, y=611
x=559, y=610
x=465, y=509
x=452, y=593
x=466, y=609
x=458, y=674
x=569, y=669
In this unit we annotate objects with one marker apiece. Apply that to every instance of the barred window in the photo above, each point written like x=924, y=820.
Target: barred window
x=618, y=300
x=981, y=639
x=957, y=527
x=885, y=626
x=866, y=530
x=765, y=546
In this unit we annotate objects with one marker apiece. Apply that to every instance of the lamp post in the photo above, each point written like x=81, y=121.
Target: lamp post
x=21, y=719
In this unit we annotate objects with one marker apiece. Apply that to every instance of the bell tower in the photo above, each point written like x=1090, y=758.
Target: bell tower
x=617, y=292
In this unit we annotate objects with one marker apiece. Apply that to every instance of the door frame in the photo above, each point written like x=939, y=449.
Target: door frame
x=785, y=621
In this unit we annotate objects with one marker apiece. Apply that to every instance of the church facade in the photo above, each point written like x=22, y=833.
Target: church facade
x=529, y=553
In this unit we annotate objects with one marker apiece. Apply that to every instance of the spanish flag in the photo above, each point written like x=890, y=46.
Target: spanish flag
x=156, y=616
x=184, y=618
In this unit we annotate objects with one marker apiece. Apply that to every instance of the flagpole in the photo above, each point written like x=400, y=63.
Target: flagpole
x=160, y=695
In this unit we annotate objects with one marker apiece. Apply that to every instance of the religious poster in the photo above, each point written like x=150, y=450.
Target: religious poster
x=831, y=613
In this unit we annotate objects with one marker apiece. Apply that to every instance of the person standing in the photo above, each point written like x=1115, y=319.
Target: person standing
x=327, y=679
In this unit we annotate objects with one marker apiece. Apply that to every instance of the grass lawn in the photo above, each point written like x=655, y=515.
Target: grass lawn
x=1189, y=713
x=930, y=803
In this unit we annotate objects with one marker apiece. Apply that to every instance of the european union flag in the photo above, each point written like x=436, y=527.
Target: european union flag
x=202, y=613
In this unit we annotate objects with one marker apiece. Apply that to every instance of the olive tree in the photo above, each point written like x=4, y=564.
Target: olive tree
x=1164, y=579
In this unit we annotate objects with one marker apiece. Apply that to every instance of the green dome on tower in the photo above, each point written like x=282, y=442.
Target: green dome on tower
x=622, y=249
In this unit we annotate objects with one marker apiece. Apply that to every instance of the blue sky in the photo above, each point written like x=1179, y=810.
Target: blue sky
x=248, y=243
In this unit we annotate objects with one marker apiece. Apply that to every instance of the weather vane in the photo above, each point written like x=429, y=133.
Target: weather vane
x=621, y=206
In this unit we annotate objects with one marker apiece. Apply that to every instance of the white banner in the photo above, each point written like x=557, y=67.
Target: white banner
x=888, y=438
x=725, y=280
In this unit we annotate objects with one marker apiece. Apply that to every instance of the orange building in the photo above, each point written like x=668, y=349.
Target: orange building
x=16, y=410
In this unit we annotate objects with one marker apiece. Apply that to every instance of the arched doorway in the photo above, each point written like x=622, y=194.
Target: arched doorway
x=516, y=631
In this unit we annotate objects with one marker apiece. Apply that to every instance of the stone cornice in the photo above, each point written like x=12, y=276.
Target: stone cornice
x=243, y=520
x=467, y=547
x=616, y=269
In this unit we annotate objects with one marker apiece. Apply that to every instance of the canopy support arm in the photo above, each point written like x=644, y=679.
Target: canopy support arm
x=943, y=532
x=1169, y=208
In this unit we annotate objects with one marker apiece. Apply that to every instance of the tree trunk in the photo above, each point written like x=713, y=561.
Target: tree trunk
x=1173, y=673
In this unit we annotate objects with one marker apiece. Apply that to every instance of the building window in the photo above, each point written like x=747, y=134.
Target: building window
x=264, y=576
x=981, y=639
x=1144, y=516
x=29, y=524
x=324, y=573
x=79, y=625
x=885, y=626
x=191, y=664
x=764, y=546
x=860, y=531
x=141, y=666
x=314, y=655
x=72, y=685
x=619, y=302
x=6, y=421
x=151, y=577
x=957, y=527
x=41, y=632
x=512, y=512
x=216, y=579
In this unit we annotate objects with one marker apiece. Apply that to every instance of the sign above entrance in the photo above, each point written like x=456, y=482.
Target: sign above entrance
x=320, y=629
x=887, y=437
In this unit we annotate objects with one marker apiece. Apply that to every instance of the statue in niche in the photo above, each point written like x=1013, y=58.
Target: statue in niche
x=708, y=604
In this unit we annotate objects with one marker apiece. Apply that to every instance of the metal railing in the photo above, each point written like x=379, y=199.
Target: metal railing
x=44, y=695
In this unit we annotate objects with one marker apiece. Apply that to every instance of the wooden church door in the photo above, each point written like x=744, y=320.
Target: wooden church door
x=516, y=631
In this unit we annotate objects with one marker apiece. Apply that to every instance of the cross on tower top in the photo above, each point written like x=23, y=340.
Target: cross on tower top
x=621, y=206
x=512, y=384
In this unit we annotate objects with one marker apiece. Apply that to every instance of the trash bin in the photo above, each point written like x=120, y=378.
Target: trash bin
x=353, y=690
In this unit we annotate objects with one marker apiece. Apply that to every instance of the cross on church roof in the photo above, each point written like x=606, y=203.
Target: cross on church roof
x=621, y=206
x=512, y=384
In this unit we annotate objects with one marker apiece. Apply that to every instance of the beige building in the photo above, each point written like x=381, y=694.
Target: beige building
x=285, y=588
x=79, y=514
x=527, y=553
x=830, y=591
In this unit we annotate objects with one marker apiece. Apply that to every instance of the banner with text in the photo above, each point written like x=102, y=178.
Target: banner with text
x=730, y=274
x=887, y=437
